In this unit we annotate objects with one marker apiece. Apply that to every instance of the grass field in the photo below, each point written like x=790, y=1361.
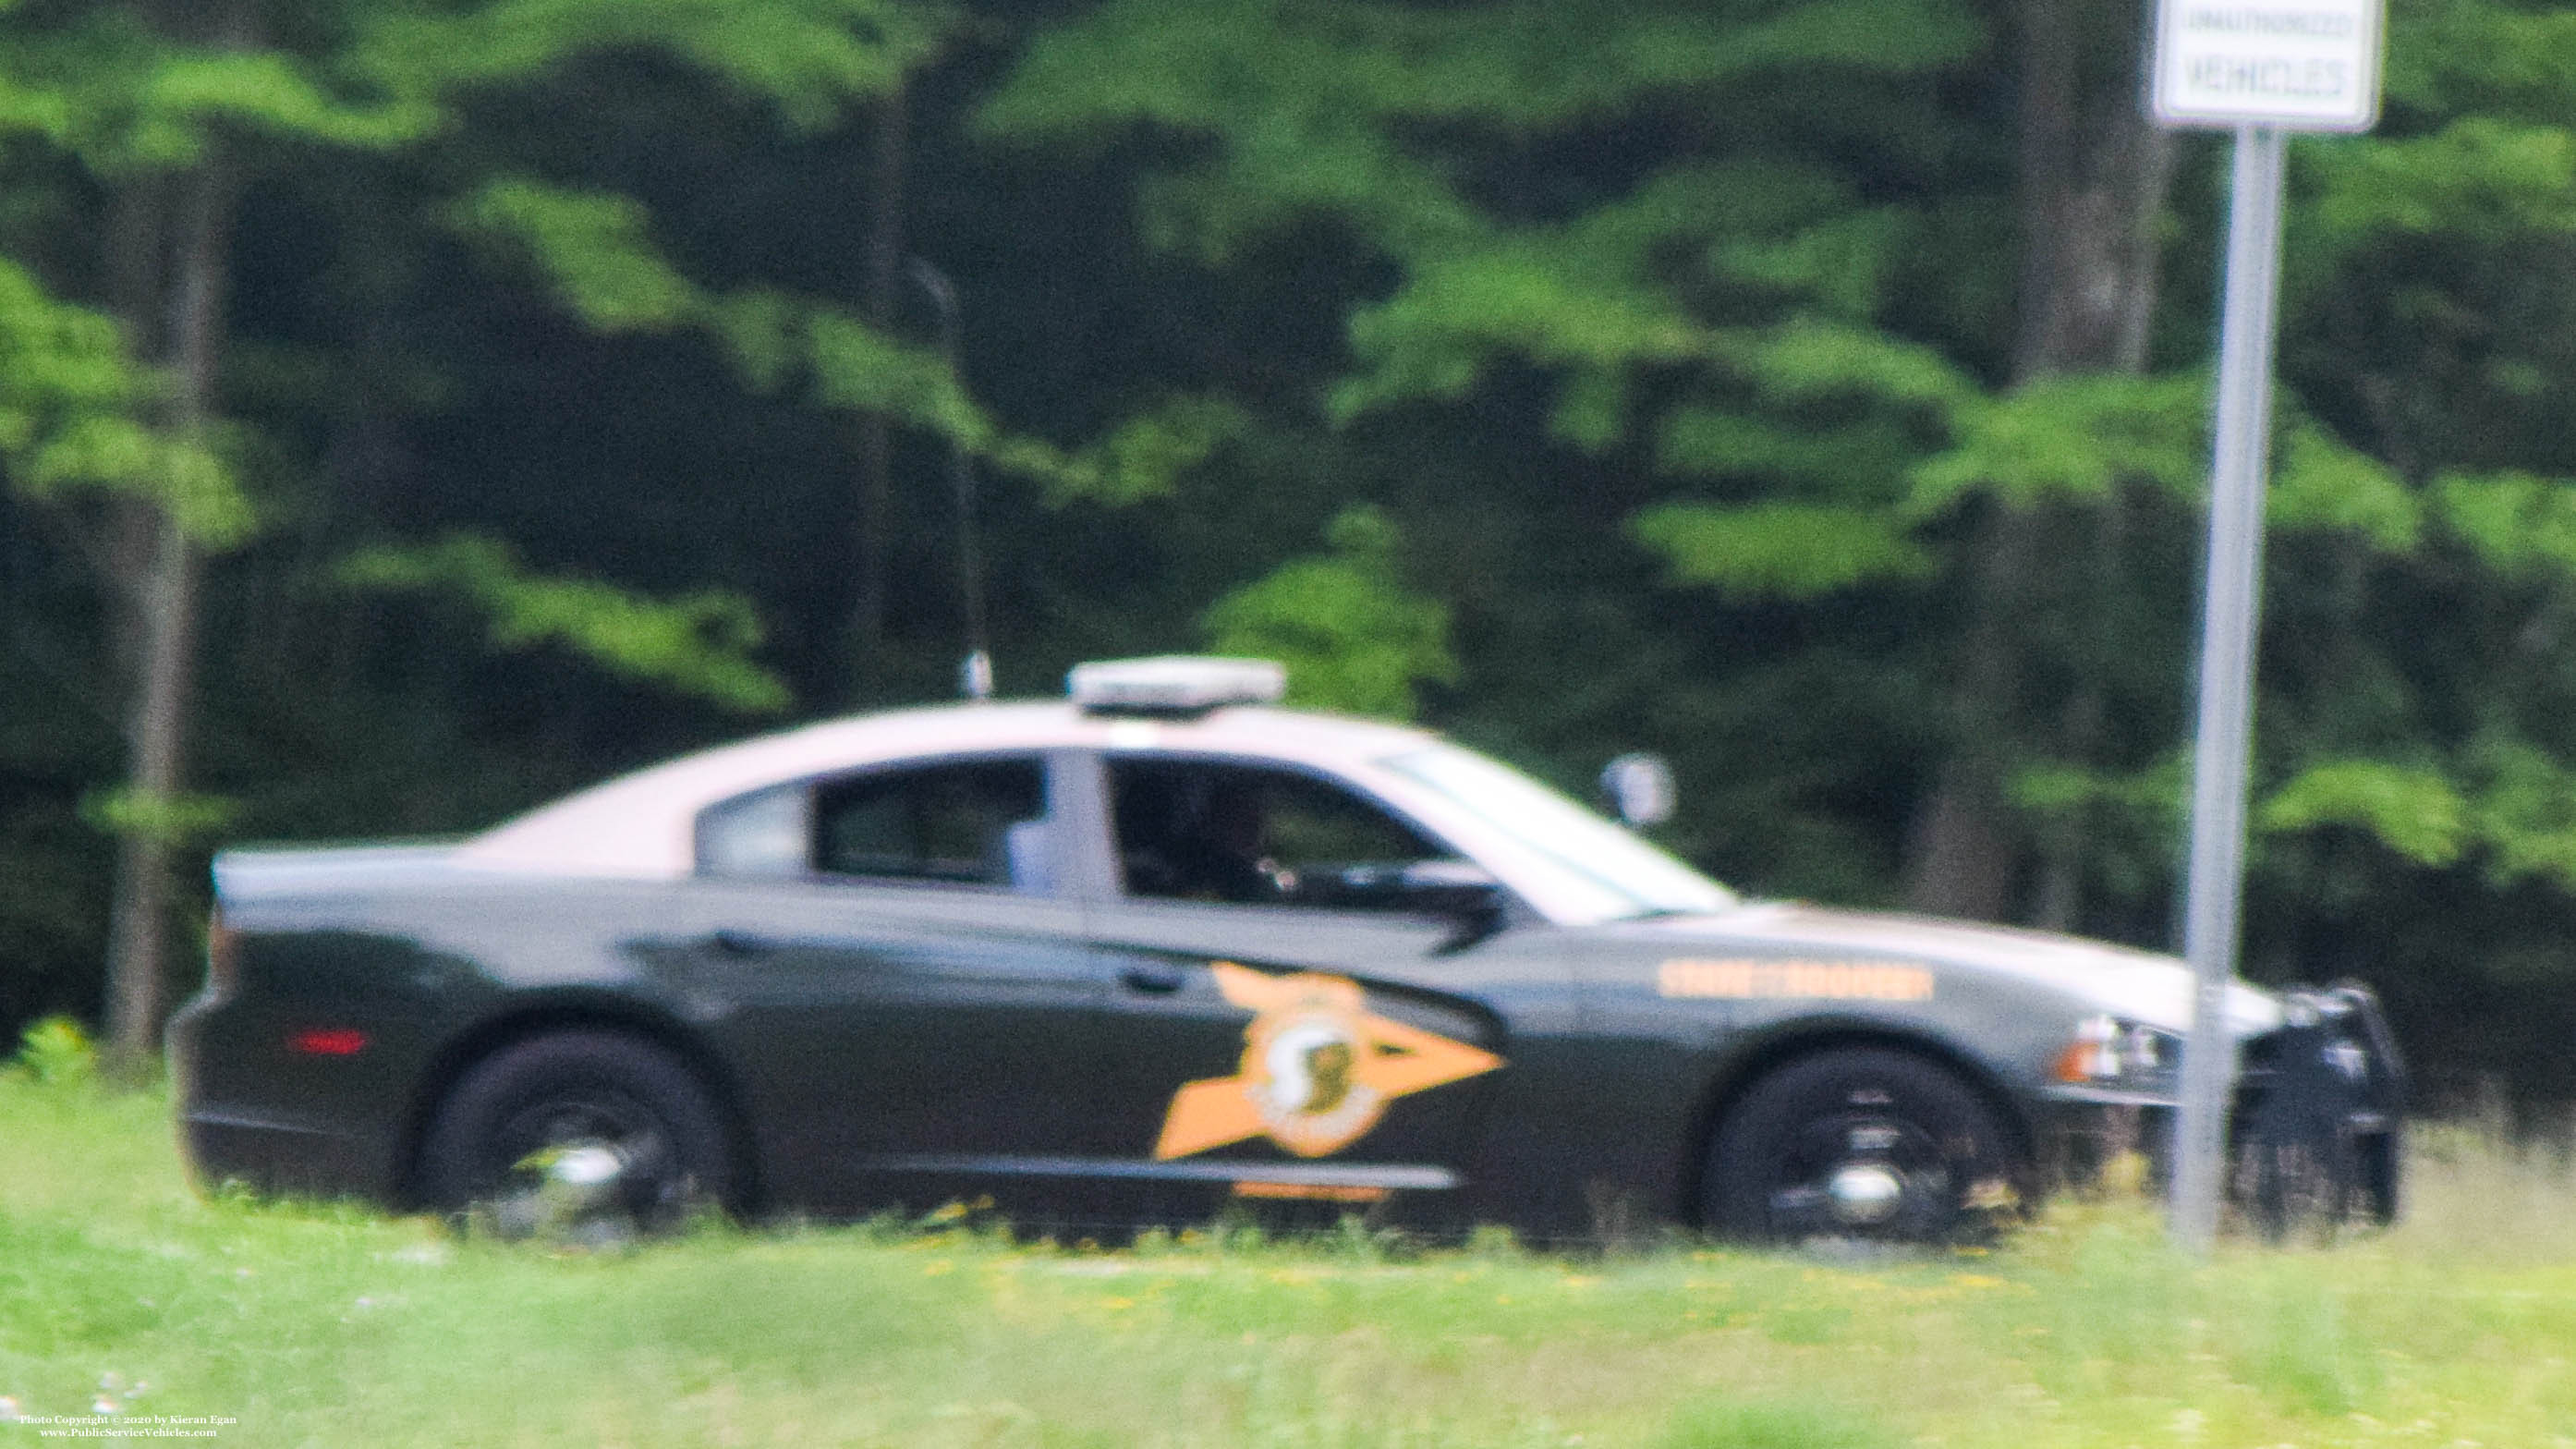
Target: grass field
x=300, y=1325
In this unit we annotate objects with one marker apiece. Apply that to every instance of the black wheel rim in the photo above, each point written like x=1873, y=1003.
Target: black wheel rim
x=1860, y=1174
x=591, y=1163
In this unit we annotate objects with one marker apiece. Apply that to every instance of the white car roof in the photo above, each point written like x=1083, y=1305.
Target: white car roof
x=643, y=825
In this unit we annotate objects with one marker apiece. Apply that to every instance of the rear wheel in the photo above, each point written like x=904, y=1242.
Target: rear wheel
x=1860, y=1143
x=588, y=1135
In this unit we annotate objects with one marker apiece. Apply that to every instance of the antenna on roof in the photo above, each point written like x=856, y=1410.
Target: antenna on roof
x=975, y=671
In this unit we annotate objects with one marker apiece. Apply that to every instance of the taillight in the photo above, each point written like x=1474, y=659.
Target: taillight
x=328, y=1041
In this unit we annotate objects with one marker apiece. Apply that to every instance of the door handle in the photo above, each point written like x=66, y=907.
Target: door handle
x=1159, y=980
x=739, y=944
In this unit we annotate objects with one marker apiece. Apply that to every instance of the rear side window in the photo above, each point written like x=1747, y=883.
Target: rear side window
x=970, y=822
x=763, y=835
x=976, y=823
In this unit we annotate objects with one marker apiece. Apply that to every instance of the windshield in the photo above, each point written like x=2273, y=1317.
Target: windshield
x=1625, y=874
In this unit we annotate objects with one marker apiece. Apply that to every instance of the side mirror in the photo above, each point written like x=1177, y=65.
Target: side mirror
x=1466, y=893
x=1460, y=891
x=1448, y=888
x=1639, y=787
x=1431, y=887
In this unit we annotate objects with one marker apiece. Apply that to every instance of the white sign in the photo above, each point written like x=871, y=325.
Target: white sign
x=2301, y=65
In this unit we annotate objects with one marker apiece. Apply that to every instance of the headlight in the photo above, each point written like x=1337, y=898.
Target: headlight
x=2109, y=1052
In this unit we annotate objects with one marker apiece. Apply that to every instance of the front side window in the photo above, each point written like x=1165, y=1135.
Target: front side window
x=1219, y=831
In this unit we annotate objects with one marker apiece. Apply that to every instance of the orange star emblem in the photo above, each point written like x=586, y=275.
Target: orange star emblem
x=1318, y=1068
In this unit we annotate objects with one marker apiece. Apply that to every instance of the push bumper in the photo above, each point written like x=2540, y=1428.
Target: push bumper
x=2316, y=1130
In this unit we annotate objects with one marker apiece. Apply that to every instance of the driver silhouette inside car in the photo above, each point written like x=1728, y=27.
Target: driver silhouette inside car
x=1211, y=844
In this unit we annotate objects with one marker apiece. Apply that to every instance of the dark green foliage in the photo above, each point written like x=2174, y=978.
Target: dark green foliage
x=1353, y=637
x=1578, y=377
x=692, y=645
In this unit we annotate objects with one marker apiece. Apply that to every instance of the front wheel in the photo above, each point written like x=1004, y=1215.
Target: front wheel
x=590, y=1135
x=1860, y=1143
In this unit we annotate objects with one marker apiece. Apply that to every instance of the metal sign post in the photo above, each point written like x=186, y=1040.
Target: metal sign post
x=2229, y=609
x=2261, y=67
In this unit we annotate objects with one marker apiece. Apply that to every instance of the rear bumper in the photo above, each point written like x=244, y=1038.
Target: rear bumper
x=272, y=1155
x=265, y=1124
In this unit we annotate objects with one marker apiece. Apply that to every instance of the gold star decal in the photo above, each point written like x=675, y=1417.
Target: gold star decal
x=1318, y=1068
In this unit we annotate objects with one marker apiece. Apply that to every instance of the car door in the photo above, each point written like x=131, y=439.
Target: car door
x=902, y=974
x=1278, y=1024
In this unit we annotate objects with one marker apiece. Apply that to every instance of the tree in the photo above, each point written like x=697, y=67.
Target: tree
x=1758, y=315
x=1813, y=391
x=178, y=109
x=1851, y=317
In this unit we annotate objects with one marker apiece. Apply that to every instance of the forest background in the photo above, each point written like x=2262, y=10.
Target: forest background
x=413, y=409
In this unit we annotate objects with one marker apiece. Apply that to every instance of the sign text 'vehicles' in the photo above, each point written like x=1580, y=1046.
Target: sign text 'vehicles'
x=2308, y=65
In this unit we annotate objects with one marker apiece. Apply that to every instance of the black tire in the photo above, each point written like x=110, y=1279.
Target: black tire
x=1861, y=1143
x=583, y=1134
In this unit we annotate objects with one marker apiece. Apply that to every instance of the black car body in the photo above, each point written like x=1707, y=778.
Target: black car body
x=1131, y=963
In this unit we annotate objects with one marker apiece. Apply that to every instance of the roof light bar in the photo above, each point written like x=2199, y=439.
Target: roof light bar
x=1174, y=684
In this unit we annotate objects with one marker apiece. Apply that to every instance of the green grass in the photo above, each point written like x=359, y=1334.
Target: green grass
x=321, y=1326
